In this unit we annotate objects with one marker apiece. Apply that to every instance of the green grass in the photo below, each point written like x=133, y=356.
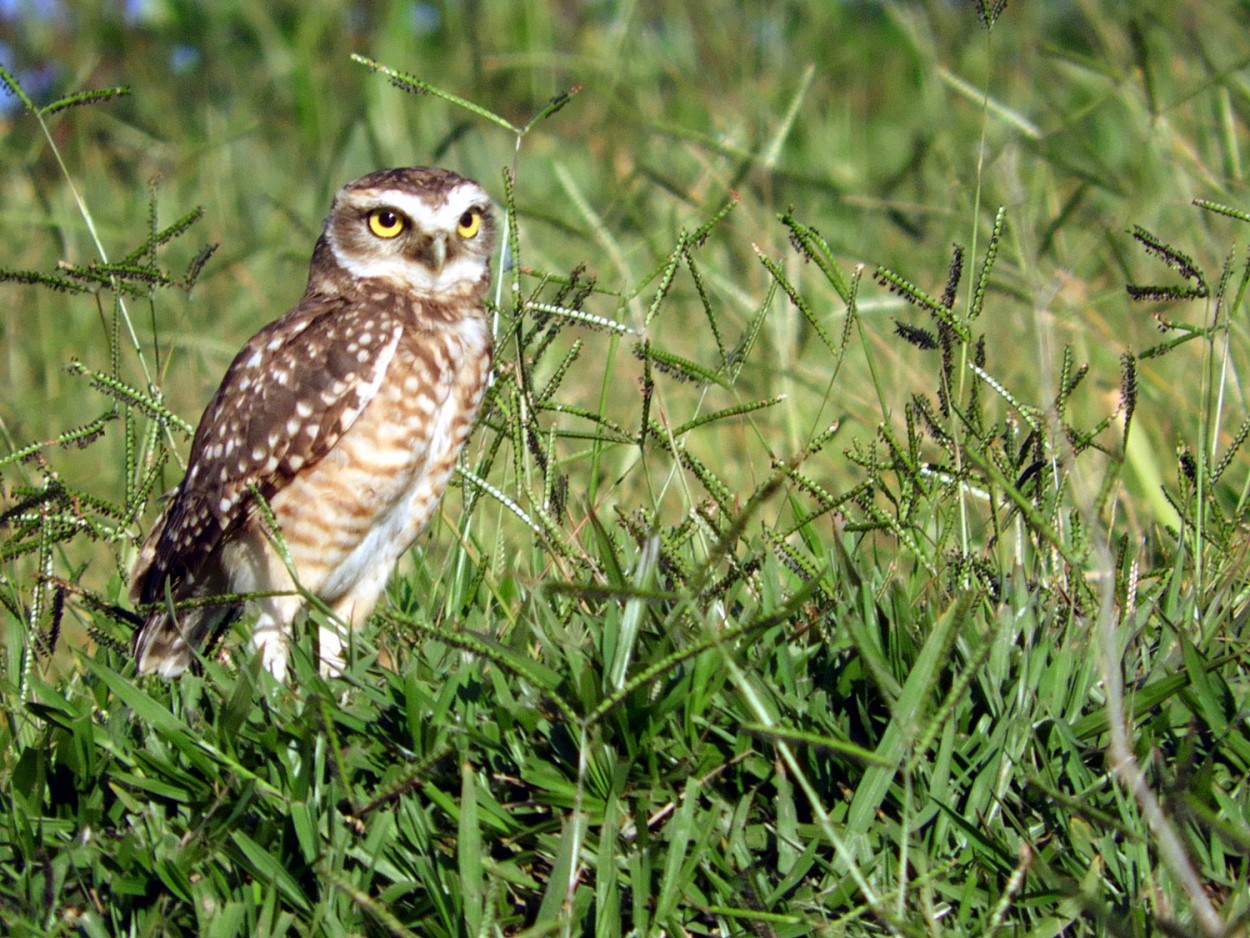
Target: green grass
x=806, y=575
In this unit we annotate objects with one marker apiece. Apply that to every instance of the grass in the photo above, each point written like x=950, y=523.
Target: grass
x=806, y=574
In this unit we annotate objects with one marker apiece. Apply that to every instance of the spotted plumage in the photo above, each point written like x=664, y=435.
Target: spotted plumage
x=346, y=416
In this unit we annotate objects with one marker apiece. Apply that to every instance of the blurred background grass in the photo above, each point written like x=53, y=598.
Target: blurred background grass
x=866, y=118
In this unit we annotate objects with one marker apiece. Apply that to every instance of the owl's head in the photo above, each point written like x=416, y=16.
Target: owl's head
x=425, y=231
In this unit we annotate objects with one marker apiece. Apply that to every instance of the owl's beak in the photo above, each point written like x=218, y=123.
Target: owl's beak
x=430, y=251
x=438, y=252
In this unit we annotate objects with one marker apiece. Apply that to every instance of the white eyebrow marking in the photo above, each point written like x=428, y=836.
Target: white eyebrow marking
x=443, y=216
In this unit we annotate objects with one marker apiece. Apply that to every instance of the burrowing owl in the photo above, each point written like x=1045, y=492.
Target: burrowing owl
x=346, y=416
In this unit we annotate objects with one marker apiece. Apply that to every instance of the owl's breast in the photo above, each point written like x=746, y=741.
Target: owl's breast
x=352, y=514
x=420, y=416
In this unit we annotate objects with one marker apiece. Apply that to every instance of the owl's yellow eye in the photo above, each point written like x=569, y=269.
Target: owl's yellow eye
x=385, y=223
x=470, y=224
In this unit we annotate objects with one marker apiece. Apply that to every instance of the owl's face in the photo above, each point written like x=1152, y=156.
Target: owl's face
x=425, y=231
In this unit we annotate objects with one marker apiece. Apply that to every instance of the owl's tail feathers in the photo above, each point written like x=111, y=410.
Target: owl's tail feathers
x=161, y=647
x=166, y=644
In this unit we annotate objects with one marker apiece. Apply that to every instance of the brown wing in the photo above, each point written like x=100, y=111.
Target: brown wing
x=284, y=403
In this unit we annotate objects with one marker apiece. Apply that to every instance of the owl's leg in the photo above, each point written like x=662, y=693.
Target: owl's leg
x=272, y=633
x=331, y=647
x=349, y=613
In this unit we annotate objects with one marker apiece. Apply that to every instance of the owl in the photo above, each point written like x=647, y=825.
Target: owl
x=331, y=439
